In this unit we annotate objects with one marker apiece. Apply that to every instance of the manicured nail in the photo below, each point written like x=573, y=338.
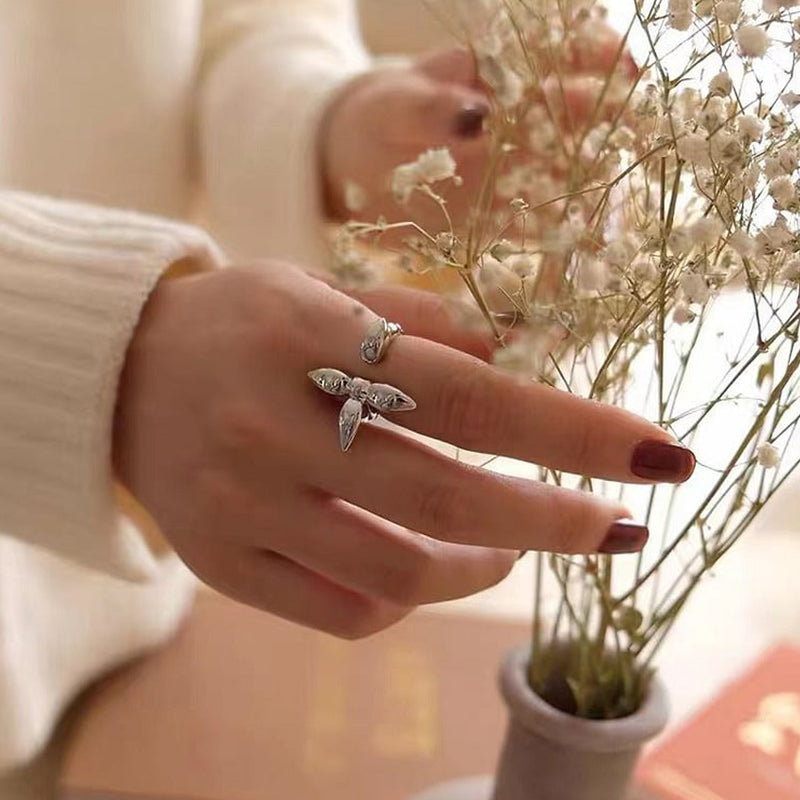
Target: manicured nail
x=662, y=461
x=469, y=121
x=624, y=536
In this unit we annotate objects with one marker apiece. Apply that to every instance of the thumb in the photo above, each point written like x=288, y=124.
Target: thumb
x=442, y=112
x=454, y=65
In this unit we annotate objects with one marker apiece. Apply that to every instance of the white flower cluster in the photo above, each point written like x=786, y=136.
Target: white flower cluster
x=432, y=166
x=768, y=456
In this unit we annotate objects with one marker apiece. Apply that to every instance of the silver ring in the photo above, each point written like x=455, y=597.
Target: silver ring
x=379, y=336
x=365, y=400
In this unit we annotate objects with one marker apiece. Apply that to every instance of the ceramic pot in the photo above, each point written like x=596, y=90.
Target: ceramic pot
x=550, y=755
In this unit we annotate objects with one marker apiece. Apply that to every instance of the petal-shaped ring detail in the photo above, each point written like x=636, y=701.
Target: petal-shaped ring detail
x=379, y=336
x=332, y=381
x=365, y=400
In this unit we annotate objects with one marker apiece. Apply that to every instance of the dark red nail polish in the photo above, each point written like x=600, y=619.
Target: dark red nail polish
x=662, y=461
x=624, y=536
x=469, y=121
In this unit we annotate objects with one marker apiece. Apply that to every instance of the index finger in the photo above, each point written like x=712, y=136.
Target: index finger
x=473, y=405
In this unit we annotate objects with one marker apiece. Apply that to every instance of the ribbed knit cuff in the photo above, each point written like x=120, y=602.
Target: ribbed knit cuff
x=73, y=282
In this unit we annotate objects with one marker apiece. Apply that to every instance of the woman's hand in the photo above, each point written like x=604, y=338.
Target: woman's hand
x=223, y=437
x=389, y=116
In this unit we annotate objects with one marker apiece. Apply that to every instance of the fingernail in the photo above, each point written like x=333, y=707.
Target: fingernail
x=662, y=461
x=469, y=120
x=624, y=536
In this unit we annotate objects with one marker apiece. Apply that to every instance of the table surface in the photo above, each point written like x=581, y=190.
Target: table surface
x=751, y=602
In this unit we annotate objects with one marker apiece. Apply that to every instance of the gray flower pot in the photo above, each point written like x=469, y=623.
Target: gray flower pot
x=550, y=755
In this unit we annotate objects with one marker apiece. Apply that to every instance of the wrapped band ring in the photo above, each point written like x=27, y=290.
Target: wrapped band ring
x=380, y=334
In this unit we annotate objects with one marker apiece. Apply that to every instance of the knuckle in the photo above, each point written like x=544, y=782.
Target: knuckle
x=443, y=509
x=468, y=410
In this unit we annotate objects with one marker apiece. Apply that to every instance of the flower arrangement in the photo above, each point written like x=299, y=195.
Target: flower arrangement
x=653, y=264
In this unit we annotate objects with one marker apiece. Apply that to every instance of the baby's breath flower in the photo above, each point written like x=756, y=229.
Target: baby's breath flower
x=682, y=314
x=693, y=147
x=774, y=238
x=695, y=288
x=752, y=40
x=751, y=127
x=508, y=87
x=714, y=114
x=743, y=244
x=680, y=14
x=783, y=192
x=789, y=159
x=773, y=6
x=750, y=177
x=513, y=183
x=502, y=249
x=688, y=103
x=721, y=84
x=728, y=11
x=778, y=123
x=522, y=264
x=445, y=241
x=499, y=283
x=706, y=231
x=791, y=270
x=768, y=456
x=680, y=242
x=405, y=179
x=619, y=252
x=784, y=162
x=725, y=148
x=355, y=198
x=643, y=269
x=622, y=138
x=790, y=99
x=436, y=164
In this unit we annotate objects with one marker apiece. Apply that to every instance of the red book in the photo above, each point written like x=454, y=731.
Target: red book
x=744, y=746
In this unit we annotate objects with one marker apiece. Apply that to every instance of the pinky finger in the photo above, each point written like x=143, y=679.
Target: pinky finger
x=275, y=584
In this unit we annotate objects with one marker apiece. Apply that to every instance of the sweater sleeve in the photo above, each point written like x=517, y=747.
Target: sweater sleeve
x=73, y=281
x=268, y=69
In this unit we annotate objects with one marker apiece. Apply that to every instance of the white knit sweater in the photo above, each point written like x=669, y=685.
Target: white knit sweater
x=134, y=104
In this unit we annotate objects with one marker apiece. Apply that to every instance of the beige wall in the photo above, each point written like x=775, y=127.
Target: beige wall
x=401, y=26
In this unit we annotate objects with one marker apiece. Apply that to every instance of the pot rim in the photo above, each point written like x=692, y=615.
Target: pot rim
x=599, y=736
